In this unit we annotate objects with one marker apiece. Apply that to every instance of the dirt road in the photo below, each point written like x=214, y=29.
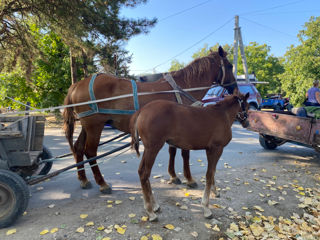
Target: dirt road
x=263, y=195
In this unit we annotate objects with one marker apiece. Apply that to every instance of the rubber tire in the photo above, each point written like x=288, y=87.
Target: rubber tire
x=46, y=154
x=252, y=107
x=277, y=108
x=267, y=144
x=21, y=194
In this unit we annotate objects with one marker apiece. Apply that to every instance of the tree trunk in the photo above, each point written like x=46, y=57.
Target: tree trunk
x=73, y=66
x=85, y=63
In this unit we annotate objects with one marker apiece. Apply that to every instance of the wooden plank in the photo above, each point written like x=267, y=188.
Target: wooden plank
x=10, y=134
x=283, y=126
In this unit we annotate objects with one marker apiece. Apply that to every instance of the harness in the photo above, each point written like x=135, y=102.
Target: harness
x=242, y=116
x=94, y=106
x=95, y=109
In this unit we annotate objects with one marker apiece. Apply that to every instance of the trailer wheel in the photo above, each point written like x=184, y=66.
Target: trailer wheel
x=14, y=197
x=267, y=143
x=46, y=154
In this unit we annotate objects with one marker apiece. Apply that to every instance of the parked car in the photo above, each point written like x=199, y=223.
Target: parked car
x=276, y=102
x=217, y=94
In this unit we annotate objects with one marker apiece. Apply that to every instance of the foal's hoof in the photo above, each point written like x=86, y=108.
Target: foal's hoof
x=106, y=189
x=153, y=217
x=86, y=184
x=174, y=181
x=156, y=208
x=192, y=184
x=217, y=194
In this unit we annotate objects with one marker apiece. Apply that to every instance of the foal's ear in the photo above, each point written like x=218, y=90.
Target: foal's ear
x=236, y=92
x=246, y=96
x=222, y=53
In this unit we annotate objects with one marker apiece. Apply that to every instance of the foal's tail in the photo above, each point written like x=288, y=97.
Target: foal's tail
x=69, y=118
x=134, y=132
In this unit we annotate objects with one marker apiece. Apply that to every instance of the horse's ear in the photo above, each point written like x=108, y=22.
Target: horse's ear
x=246, y=96
x=222, y=53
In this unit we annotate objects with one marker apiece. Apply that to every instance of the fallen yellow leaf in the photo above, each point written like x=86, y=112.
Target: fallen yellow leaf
x=156, y=237
x=144, y=219
x=258, y=208
x=144, y=238
x=121, y=230
x=118, y=202
x=208, y=225
x=100, y=228
x=187, y=194
x=199, y=160
x=234, y=227
x=110, y=201
x=53, y=230
x=169, y=226
x=132, y=198
x=244, y=208
x=106, y=238
x=216, y=228
x=83, y=216
x=132, y=215
x=11, y=231
x=80, y=230
x=109, y=206
x=256, y=229
x=88, y=224
x=44, y=232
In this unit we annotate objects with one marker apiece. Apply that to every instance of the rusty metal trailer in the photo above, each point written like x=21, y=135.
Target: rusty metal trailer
x=277, y=128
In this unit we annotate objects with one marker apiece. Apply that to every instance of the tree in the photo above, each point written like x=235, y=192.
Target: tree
x=176, y=65
x=82, y=25
x=302, y=62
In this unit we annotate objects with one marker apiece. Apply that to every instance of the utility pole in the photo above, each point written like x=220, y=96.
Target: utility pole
x=238, y=40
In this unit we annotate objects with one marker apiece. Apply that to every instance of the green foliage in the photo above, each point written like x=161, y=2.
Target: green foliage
x=176, y=65
x=302, y=62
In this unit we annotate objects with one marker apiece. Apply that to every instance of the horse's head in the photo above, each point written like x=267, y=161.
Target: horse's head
x=225, y=76
x=242, y=115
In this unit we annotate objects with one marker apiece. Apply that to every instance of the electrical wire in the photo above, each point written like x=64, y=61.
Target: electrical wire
x=182, y=11
x=196, y=43
x=273, y=29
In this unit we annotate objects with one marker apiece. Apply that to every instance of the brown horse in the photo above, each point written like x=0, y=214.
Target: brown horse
x=185, y=127
x=203, y=72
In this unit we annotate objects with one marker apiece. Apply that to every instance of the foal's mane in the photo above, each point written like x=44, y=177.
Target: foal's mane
x=196, y=69
x=227, y=101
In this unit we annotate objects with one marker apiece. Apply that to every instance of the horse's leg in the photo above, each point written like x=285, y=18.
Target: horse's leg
x=144, y=171
x=171, y=169
x=213, y=155
x=79, y=146
x=93, y=138
x=186, y=169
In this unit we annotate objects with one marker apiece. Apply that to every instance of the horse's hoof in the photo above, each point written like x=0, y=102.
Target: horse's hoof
x=208, y=214
x=153, y=217
x=217, y=194
x=192, y=184
x=86, y=185
x=106, y=189
x=175, y=181
x=156, y=208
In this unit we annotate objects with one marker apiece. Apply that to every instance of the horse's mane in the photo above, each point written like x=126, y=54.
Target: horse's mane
x=195, y=69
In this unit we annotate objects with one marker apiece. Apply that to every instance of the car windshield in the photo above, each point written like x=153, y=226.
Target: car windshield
x=215, y=91
x=246, y=89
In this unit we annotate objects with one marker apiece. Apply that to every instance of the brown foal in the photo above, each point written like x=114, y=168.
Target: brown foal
x=186, y=127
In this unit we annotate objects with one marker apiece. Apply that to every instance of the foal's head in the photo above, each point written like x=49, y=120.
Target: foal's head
x=242, y=115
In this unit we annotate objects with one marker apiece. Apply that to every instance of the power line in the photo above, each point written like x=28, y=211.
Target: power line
x=185, y=10
x=196, y=43
x=273, y=29
x=271, y=8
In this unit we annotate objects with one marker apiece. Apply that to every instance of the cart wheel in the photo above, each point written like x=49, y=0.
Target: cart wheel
x=267, y=143
x=46, y=167
x=14, y=197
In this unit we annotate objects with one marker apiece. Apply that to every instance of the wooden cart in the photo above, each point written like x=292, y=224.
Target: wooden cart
x=21, y=155
x=277, y=128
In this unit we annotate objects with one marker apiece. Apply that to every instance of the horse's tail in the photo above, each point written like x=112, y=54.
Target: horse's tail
x=134, y=132
x=69, y=118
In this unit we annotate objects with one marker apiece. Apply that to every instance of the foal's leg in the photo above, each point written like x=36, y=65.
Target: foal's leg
x=93, y=138
x=78, y=155
x=186, y=169
x=144, y=171
x=213, y=155
x=171, y=169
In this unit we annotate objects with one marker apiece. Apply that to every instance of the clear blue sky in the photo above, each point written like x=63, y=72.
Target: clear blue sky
x=184, y=23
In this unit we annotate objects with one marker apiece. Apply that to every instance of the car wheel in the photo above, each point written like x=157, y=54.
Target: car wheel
x=276, y=108
x=252, y=107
